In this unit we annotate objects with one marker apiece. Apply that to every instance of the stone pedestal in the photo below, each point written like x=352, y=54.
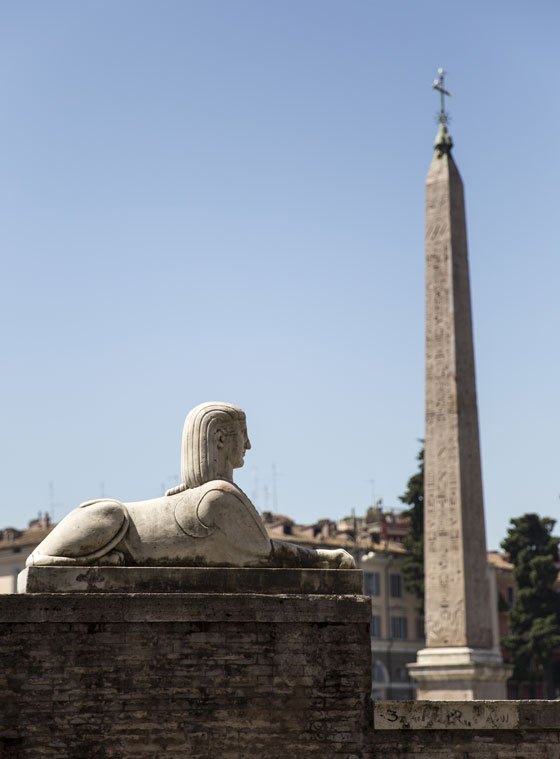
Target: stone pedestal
x=460, y=673
x=225, y=663
x=189, y=580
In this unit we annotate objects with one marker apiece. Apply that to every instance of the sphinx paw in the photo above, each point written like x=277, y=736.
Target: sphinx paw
x=112, y=559
x=337, y=559
x=343, y=559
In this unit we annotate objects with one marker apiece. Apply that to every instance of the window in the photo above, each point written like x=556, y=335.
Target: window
x=419, y=628
x=376, y=626
x=510, y=596
x=401, y=675
x=399, y=628
x=395, y=583
x=372, y=584
x=379, y=672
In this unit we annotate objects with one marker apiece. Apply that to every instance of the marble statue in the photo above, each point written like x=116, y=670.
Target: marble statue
x=206, y=521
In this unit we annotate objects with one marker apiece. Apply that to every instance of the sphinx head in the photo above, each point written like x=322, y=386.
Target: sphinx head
x=214, y=443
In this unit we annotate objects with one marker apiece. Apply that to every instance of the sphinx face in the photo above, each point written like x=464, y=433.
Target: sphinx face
x=237, y=444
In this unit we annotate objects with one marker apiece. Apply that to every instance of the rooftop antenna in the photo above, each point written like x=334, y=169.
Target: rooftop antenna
x=274, y=490
x=171, y=478
x=372, y=483
x=51, y=500
x=255, y=493
x=355, y=536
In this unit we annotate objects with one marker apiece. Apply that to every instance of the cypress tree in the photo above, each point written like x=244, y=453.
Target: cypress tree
x=534, y=620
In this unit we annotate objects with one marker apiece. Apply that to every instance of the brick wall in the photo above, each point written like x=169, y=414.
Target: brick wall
x=237, y=675
x=234, y=676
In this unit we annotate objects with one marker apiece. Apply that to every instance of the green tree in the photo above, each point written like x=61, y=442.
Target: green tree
x=413, y=564
x=534, y=619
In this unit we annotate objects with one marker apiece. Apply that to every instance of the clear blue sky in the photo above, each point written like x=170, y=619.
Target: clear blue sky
x=224, y=200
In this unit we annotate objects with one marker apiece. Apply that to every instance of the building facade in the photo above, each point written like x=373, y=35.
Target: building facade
x=397, y=631
x=15, y=547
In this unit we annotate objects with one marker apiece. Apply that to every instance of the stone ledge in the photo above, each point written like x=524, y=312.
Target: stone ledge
x=457, y=656
x=108, y=608
x=189, y=580
x=466, y=715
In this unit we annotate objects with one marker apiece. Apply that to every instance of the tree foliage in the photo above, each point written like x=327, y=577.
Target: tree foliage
x=534, y=620
x=413, y=564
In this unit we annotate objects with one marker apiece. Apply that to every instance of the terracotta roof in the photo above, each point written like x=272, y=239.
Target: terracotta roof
x=386, y=547
x=319, y=542
x=30, y=537
x=499, y=560
x=268, y=517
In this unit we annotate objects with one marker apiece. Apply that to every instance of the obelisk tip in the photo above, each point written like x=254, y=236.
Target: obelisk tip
x=443, y=142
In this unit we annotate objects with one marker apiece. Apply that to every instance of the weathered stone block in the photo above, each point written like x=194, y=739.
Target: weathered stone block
x=188, y=580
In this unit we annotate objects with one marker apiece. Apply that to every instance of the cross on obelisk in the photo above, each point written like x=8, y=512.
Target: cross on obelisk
x=438, y=85
x=460, y=660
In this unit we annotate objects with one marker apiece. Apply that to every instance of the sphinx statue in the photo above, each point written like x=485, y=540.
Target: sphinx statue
x=205, y=521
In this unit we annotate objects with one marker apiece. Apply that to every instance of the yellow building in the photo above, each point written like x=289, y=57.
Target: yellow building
x=396, y=629
x=15, y=547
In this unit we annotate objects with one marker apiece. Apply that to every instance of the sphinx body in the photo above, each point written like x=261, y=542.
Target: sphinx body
x=212, y=525
x=206, y=521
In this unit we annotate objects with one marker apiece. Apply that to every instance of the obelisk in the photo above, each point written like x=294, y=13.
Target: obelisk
x=458, y=661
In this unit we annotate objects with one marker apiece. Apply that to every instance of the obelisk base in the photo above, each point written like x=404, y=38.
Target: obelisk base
x=459, y=673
